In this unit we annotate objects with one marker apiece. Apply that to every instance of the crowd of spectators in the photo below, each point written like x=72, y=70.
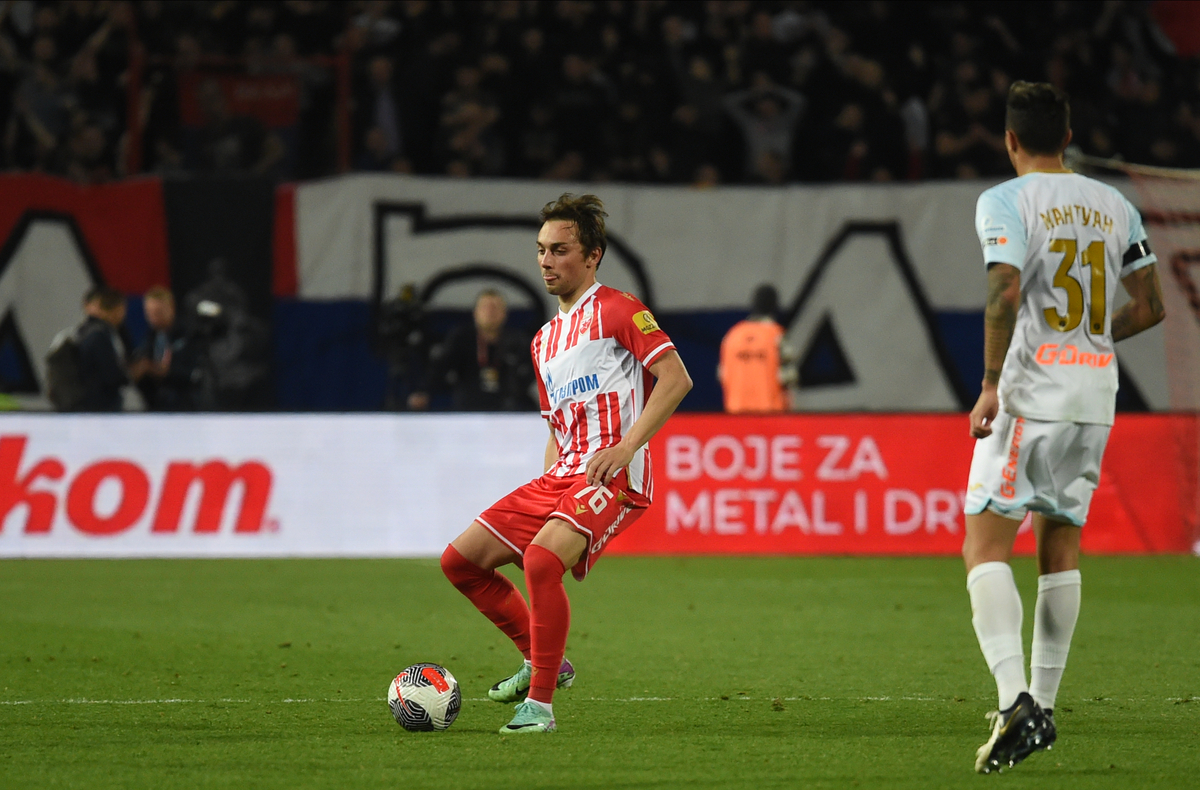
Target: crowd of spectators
x=729, y=91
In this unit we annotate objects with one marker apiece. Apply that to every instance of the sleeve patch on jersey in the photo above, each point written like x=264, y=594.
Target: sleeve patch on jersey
x=992, y=241
x=645, y=322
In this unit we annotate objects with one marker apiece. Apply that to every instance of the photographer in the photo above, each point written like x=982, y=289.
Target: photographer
x=484, y=364
x=164, y=365
x=232, y=346
x=101, y=356
x=401, y=339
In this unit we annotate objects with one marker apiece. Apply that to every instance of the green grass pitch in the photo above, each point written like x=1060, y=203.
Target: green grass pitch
x=697, y=673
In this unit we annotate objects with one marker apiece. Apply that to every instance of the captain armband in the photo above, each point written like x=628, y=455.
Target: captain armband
x=1138, y=250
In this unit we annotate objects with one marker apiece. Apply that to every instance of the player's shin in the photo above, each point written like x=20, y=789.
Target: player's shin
x=996, y=615
x=493, y=594
x=551, y=619
x=1053, y=625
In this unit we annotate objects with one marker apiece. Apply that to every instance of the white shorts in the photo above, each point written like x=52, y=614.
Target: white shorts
x=1050, y=468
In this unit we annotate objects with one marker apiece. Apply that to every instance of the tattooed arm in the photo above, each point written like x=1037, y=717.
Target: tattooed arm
x=1145, y=306
x=999, y=318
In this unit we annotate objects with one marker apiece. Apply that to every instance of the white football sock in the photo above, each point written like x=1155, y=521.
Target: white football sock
x=996, y=615
x=548, y=707
x=528, y=663
x=1053, y=624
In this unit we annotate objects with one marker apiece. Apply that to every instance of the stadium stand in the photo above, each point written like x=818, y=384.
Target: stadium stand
x=670, y=92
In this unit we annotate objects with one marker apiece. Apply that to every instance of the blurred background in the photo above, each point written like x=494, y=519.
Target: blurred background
x=271, y=212
x=343, y=180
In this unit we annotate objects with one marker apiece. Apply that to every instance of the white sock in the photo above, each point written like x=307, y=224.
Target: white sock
x=996, y=614
x=528, y=664
x=546, y=706
x=1053, y=624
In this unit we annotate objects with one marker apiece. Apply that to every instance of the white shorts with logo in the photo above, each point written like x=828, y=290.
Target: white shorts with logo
x=1050, y=468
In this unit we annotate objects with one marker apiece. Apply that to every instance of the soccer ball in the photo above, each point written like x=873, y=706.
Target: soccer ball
x=424, y=697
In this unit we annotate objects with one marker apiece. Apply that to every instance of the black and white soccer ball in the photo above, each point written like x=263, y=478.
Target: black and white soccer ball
x=424, y=697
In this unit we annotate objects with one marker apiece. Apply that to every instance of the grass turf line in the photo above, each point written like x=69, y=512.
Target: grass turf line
x=778, y=672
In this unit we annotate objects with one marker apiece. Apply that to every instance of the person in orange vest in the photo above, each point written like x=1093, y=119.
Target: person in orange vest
x=751, y=368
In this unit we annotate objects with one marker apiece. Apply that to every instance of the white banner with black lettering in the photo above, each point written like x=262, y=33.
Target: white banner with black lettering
x=255, y=485
x=868, y=265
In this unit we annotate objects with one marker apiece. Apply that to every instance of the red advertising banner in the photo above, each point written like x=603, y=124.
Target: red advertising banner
x=273, y=99
x=889, y=485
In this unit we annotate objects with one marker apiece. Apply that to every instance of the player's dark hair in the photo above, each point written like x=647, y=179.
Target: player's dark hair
x=587, y=213
x=1040, y=115
x=765, y=301
x=108, y=298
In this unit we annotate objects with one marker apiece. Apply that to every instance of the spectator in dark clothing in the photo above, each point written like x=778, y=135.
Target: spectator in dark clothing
x=233, y=144
x=164, y=364
x=484, y=364
x=378, y=116
x=102, y=368
x=767, y=116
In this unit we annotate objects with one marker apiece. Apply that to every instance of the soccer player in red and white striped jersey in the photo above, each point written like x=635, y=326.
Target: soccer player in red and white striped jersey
x=608, y=379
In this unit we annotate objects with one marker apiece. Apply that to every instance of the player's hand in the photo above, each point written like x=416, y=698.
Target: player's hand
x=985, y=411
x=605, y=464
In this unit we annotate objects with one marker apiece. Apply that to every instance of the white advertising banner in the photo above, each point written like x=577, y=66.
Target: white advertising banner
x=869, y=264
x=255, y=485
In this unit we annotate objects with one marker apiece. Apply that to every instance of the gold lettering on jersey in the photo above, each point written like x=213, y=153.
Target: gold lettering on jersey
x=1077, y=214
x=645, y=322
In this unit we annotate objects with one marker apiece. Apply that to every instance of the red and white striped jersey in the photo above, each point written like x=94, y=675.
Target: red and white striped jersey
x=593, y=377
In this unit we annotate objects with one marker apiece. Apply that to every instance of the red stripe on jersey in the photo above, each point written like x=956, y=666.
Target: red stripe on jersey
x=615, y=405
x=597, y=320
x=552, y=342
x=573, y=332
x=602, y=411
x=608, y=405
x=560, y=429
x=580, y=427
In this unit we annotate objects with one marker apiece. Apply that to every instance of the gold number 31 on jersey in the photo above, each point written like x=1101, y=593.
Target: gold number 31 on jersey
x=1093, y=258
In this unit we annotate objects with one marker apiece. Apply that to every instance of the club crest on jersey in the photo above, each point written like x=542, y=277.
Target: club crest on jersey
x=585, y=325
x=645, y=322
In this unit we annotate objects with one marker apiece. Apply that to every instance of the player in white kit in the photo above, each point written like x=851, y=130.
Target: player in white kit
x=597, y=361
x=1055, y=244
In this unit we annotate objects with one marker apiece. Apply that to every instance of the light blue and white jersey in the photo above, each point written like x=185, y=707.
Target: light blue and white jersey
x=1073, y=238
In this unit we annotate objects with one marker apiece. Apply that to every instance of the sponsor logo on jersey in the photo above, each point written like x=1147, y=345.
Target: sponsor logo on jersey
x=1051, y=354
x=645, y=322
x=991, y=241
x=574, y=387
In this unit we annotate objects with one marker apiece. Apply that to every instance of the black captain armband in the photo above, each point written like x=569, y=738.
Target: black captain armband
x=1139, y=250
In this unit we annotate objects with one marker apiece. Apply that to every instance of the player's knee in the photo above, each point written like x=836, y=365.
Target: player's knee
x=542, y=565
x=458, y=569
